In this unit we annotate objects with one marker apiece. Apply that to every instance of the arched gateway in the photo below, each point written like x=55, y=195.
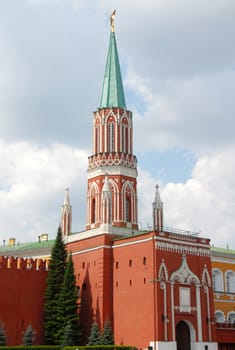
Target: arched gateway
x=183, y=336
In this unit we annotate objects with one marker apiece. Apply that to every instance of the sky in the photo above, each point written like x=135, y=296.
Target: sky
x=178, y=67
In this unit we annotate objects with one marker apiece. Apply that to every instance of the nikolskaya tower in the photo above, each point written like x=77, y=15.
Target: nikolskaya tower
x=112, y=168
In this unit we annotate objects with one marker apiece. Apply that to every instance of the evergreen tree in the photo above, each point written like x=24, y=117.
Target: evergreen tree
x=3, y=341
x=28, y=337
x=68, y=308
x=68, y=336
x=107, y=334
x=95, y=337
x=56, y=271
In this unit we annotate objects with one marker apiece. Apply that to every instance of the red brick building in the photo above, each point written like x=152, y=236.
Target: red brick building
x=155, y=287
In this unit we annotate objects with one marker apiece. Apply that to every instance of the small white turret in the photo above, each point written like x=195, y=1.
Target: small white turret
x=157, y=212
x=66, y=215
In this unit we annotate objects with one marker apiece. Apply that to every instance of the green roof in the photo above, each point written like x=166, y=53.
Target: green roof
x=112, y=91
x=26, y=246
x=223, y=250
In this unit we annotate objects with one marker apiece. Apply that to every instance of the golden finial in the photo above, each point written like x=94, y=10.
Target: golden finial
x=112, y=20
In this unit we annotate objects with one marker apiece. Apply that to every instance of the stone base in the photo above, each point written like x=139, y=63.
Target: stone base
x=171, y=345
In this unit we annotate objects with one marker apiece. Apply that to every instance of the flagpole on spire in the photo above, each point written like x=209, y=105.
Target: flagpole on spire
x=112, y=20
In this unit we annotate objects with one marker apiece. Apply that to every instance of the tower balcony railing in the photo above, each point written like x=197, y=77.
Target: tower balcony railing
x=112, y=159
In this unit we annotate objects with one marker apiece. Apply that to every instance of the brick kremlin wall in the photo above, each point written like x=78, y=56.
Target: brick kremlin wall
x=22, y=286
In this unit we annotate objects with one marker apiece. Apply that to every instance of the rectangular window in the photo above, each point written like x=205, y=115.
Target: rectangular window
x=185, y=304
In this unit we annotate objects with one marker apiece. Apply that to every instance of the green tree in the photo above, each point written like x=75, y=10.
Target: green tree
x=95, y=337
x=56, y=271
x=3, y=340
x=28, y=336
x=107, y=334
x=68, y=308
x=68, y=336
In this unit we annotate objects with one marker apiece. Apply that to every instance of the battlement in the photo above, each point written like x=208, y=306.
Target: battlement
x=18, y=263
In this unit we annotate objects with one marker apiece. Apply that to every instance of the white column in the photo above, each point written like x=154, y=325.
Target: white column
x=199, y=313
x=172, y=311
x=208, y=312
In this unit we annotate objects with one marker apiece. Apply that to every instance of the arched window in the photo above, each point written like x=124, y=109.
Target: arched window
x=93, y=211
x=219, y=317
x=125, y=138
x=97, y=139
x=217, y=281
x=128, y=209
x=111, y=138
x=231, y=317
x=230, y=281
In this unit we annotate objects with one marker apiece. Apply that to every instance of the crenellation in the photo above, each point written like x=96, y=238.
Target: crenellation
x=19, y=263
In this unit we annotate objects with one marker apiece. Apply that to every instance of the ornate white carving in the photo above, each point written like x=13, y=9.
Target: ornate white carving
x=184, y=274
x=114, y=159
x=182, y=249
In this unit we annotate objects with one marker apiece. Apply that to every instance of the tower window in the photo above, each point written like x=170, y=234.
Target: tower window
x=97, y=139
x=128, y=210
x=130, y=263
x=93, y=211
x=124, y=138
x=111, y=145
x=144, y=260
x=116, y=264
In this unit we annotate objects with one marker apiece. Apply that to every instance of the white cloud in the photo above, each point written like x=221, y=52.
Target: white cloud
x=32, y=181
x=205, y=203
x=194, y=114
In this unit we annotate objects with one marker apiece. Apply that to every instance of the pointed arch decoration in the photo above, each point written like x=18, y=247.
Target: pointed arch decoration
x=163, y=273
x=115, y=198
x=93, y=203
x=206, y=280
x=128, y=202
x=184, y=274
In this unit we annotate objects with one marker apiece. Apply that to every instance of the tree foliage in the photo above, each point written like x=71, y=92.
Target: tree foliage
x=52, y=309
x=3, y=340
x=68, y=304
x=107, y=334
x=68, y=336
x=95, y=336
x=28, y=336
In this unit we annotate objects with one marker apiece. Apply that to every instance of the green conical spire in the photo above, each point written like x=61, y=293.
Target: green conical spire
x=112, y=91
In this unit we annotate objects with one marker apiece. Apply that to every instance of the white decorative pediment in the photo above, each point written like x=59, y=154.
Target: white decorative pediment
x=162, y=273
x=206, y=280
x=184, y=274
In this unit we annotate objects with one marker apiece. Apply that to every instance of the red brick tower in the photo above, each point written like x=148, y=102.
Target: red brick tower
x=112, y=154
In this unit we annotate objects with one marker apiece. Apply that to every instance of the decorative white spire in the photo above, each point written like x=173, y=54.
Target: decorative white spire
x=66, y=215
x=157, y=211
x=106, y=216
x=66, y=197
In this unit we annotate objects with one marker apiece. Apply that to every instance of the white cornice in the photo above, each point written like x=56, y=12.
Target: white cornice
x=112, y=170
